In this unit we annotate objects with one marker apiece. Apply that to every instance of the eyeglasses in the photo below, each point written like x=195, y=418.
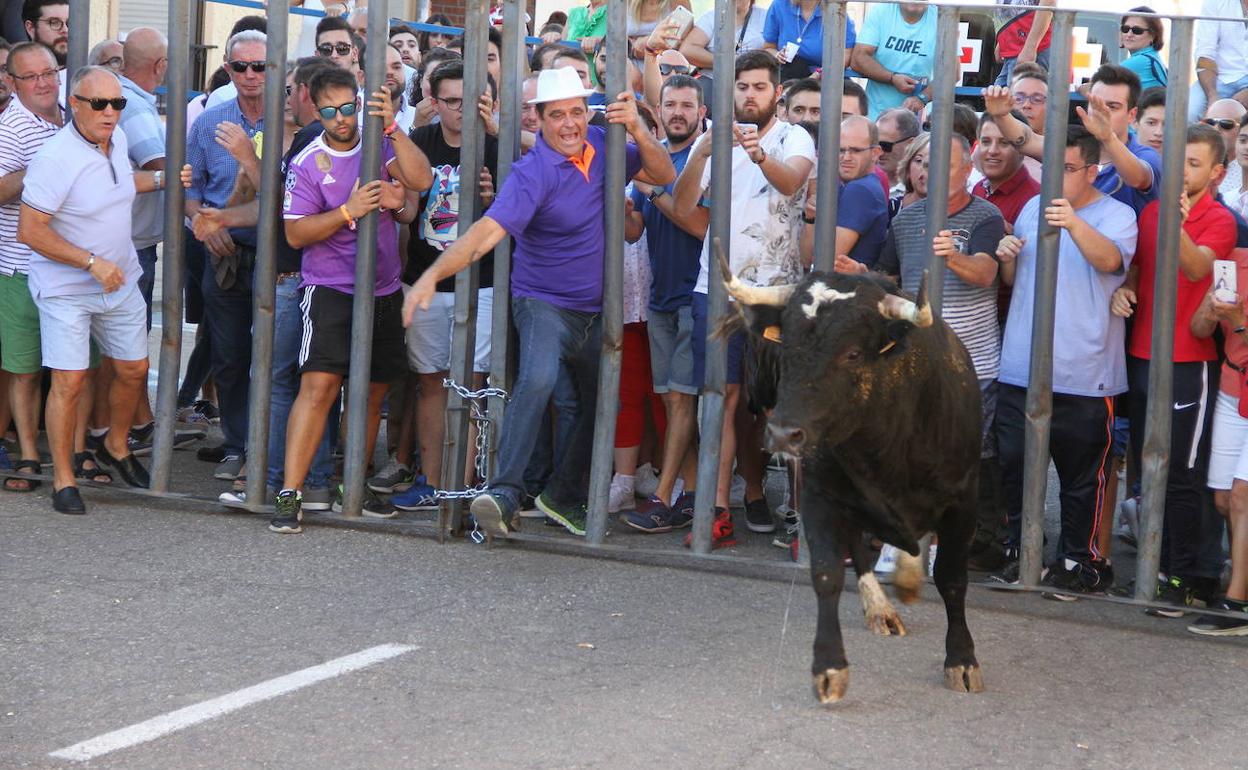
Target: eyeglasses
x=329, y=49
x=888, y=146
x=241, y=66
x=1075, y=169
x=56, y=25
x=675, y=69
x=856, y=150
x=1036, y=99
x=113, y=63
x=289, y=90
x=1134, y=30
x=328, y=113
x=99, y=105
x=1223, y=123
x=451, y=104
x=48, y=77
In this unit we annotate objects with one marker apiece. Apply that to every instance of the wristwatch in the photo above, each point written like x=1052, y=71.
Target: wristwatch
x=90, y=261
x=655, y=194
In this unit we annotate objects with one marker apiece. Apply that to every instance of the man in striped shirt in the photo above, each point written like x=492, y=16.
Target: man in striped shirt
x=32, y=117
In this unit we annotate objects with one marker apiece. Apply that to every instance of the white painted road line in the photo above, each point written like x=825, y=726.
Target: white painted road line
x=201, y=712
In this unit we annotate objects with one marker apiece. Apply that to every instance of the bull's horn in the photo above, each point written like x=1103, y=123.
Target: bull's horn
x=918, y=313
x=776, y=296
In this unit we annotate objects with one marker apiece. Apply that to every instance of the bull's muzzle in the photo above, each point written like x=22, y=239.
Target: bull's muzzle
x=785, y=439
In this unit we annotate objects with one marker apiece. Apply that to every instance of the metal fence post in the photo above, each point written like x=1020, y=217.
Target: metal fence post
x=509, y=100
x=264, y=282
x=940, y=151
x=174, y=256
x=712, y=422
x=603, y=465
x=1038, y=409
x=79, y=39
x=1155, y=457
x=464, y=329
x=358, y=381
x=830, y=97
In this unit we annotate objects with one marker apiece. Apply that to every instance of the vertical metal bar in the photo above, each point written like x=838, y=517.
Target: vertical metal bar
x=509, y=93
x=603, y=464
x=172, y=272
x=1039, y=406
x=358, y=383
x=464, y=329
x=712, y=424
x=1155, y=457
x=264, y=280
x=79, y=37
x=944, y=78
x=831, y=88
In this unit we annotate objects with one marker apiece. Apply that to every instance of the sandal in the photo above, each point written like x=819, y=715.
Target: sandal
x=15, y=483
x=96, y=474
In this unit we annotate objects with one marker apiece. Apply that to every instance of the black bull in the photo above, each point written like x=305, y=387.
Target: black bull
x=882, y=407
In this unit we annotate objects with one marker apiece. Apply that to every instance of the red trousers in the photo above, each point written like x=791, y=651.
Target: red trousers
x=637, y=390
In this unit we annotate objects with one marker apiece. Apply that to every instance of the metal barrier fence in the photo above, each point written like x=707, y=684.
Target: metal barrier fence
x=944, y=86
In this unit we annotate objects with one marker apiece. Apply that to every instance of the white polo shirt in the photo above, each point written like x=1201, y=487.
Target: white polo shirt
x=1224, y=42
x=22, y=133
x=89, y=197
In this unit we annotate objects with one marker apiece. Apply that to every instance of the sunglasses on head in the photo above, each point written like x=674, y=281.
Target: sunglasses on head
x=675, y=69
x=241, y=66
x=329, y=49
x=99, y=105
x=328, y=113
x=888, y=146
x=1134, y=30
x=1223, y=123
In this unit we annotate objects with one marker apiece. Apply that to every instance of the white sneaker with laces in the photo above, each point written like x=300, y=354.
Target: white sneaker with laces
x=887, y=563
x=621, y=495
x=645, y=481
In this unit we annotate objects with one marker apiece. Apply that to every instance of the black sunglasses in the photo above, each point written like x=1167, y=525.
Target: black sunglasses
x=98, y=105
x=679, y=69
x=1134, y=30
x=1223, y=123
x=328, y=49
x=241, y=66
x=888, y=146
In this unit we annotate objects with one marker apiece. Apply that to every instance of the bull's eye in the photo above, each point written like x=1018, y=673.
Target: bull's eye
x=851, y=356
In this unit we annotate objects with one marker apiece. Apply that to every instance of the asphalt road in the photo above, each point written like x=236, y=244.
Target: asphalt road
x=135, y=611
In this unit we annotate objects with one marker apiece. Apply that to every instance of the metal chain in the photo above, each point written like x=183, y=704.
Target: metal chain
x=481, y=461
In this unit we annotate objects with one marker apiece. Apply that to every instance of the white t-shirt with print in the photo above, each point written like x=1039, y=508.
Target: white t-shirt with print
x=766, y=226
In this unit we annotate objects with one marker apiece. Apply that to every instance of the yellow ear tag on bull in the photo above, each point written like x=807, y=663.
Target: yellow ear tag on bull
x=772, y=333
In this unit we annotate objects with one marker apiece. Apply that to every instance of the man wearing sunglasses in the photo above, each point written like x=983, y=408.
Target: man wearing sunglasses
x=84, y=273
x=898, y=128
x=658, y=68
x=219, y=138
x=323, y=204
x=1225, y=115
x=334, y=41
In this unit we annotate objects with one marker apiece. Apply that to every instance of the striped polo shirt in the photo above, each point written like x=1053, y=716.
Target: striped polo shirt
x=22, y=133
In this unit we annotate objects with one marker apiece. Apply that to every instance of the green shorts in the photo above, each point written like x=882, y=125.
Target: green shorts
x=19, y=326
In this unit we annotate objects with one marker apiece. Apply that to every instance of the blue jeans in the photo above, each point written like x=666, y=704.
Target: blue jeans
x=1007, y=67
x=1197, y=102
x=552, y=441
x=287, y=337
x=147, y=281
x=200, y=364
x=549, y=336
x=228, y=312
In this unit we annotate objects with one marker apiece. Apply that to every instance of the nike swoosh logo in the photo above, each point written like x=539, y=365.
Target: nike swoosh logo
x=1179, y=407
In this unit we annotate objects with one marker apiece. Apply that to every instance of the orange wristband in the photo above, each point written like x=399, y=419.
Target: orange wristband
x=347, y=215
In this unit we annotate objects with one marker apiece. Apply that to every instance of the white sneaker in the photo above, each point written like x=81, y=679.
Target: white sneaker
x=621, y=496
x=736, y=494
x=887, y=563
x=645, y=482
x=931, y=560
x=1129, y=520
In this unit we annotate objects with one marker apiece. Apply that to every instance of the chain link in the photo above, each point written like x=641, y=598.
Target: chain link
x=481, y=461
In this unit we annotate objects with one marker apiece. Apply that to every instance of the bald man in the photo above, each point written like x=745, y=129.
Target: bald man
x=1225, y=115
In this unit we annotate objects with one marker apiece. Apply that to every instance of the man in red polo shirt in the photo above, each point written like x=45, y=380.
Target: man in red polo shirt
x=1208, y=233
x=1007, y=184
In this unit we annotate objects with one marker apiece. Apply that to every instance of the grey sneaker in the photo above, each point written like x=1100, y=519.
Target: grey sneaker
x=491, y=515
x=374, y=507
x=230, y=468
x=316, y=498
x=395, y=477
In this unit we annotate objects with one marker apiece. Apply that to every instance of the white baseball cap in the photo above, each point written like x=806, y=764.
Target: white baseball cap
x=560, y=83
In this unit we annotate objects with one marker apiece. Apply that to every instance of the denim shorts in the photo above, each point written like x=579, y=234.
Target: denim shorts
x=671, y=350
x=735, y=347
x=116, y=321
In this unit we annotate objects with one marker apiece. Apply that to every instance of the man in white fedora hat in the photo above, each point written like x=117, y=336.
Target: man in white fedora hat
x=552, y=205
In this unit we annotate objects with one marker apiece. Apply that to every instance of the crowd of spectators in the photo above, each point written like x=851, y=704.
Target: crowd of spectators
x=82, y=169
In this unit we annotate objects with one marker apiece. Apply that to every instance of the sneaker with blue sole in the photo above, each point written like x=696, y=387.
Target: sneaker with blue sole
x=420, y=496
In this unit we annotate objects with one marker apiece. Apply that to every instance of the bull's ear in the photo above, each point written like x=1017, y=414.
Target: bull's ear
x=762, y=320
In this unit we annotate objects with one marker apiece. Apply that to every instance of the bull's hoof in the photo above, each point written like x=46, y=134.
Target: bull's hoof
x=882, y=617
x=964, y=678
x=908, y=579
x=830, y=685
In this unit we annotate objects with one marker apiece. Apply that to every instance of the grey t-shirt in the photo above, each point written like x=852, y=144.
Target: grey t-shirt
x=971, y=311
x=1089, y=358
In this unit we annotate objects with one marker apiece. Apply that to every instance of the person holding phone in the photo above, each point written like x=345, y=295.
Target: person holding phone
x=896, y=51
x=794, y=30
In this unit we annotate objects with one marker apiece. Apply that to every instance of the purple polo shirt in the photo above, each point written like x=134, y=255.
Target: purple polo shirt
x=553, y=209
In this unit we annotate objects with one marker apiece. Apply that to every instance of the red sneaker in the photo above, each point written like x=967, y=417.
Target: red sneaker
x=722, y=535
